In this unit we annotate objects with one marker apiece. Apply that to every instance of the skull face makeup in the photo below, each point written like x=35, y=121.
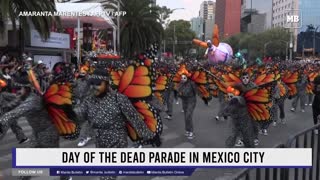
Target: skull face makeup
x=245, y=79
x=184, y=78
x=100, y=88
x=230, y=96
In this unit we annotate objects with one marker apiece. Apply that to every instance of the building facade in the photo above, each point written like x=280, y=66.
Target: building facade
x=228, y=13
x=309, y=14
x=197, y=26
x=207, y=10
x=252, y=14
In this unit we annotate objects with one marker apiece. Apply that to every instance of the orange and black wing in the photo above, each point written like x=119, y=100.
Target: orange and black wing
x=160, y=86
x=259, y=103
x=266, y=78
x=290, y=79
x=135, y=82
x=151, y=118
x=58, y=101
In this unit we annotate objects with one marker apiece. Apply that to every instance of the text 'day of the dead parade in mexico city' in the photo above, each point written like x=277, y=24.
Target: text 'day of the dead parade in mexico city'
x=146, y=157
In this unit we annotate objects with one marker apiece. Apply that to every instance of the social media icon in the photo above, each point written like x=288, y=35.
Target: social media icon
x=87, y=172
x=58, y=172
x=148, y=172
x=120, y=172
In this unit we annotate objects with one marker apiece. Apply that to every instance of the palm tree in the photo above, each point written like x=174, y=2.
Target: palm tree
x=140, y=27
x=10, y=10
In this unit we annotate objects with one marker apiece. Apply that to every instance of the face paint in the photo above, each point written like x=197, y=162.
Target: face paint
x=184, y=78
x=245, y=79
x=230, y=96
x=100, y=89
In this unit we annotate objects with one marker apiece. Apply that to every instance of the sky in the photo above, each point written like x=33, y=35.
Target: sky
x=191, y=10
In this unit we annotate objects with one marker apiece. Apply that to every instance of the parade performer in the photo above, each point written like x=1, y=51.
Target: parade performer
x=301, y=93
x=316, y=101
x=49, y=115
x=242, y=123
x=257, y=92
x=187, y=91
x=81, y=91
x=8, y=102
x=109, y=114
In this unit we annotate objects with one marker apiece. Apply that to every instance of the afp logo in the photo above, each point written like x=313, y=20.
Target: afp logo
x=293, y=19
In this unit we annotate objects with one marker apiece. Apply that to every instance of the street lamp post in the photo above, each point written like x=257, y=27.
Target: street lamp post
x=174, y=34
x=314, y=40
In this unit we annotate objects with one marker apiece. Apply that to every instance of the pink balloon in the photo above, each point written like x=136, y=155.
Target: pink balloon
x=221, y=53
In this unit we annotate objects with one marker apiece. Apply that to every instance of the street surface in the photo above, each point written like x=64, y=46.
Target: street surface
x=209, y=134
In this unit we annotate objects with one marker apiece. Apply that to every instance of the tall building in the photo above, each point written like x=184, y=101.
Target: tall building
x=308, y=12
x=227, y=17
x=207, y=10
x=207, y=14
x=256, y=16
x=197, y=26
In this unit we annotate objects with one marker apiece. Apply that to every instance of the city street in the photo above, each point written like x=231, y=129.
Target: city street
x=209, y=134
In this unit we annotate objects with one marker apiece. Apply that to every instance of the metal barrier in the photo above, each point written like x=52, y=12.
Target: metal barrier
x=304, y=139
x=260, y=173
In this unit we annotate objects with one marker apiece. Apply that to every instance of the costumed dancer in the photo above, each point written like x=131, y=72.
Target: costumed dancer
x=81, y=91
x=246, y=85
x=108, y=113
x=32, y=107
x=187, y=91
x=301, y=93
x=8, y=102
x=316, y=102
x=241, y=121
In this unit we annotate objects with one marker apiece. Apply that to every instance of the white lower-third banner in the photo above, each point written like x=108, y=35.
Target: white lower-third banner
x=151, y=157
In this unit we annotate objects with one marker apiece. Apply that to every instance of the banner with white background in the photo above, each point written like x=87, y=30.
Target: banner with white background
x=168, y=157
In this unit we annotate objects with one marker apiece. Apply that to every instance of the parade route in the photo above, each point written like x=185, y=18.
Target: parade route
x=209, y=134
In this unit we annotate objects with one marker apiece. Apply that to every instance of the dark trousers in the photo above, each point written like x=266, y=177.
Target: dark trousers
x=188, y=106
x=17, y=130
x=169, y=101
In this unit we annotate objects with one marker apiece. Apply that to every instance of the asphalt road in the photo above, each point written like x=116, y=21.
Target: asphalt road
x=209, y=134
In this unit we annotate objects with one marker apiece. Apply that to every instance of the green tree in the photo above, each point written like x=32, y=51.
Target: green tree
x=184, y=36
x=10, y=10
x=272, y=42
x=139, y=27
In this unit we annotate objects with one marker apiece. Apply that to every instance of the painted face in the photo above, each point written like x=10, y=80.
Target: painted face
x=100, y=88
x=184, y=78
x=245, y=79
x=229, y=96
x=22, y=92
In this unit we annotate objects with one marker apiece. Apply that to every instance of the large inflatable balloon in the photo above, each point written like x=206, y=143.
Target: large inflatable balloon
x=218, y=52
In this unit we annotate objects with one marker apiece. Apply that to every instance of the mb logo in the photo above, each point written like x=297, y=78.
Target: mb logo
x=293, y=19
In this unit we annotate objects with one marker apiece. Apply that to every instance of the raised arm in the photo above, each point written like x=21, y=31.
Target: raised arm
x=26, y=107
x=132, y=116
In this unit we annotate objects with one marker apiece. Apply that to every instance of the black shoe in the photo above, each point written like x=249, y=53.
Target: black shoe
x=225, y=117
x=24, y=140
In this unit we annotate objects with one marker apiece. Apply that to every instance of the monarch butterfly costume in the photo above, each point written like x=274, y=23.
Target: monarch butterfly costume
x=257, y=93
x=8, y=102
x=50, y=115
